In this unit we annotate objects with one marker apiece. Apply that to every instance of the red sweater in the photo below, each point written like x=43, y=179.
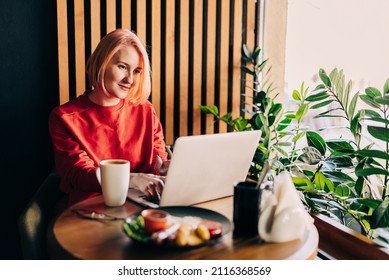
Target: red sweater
x=85, y=133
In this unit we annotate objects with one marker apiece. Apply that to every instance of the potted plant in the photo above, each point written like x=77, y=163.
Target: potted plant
x=345, y=179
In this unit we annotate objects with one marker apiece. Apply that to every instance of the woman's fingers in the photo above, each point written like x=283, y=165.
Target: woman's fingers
x=149, y=184
x=159, y=166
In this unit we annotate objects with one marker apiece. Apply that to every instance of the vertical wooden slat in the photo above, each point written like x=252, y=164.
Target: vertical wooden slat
x=224, y=47
x=79, y=42
x=250, y=42
x=237, y=55
x=111, y=15
x=169, y=70
x=141, y=20
x=184, y=66
x=197, y=64
x=95, y=23
x=211, y=58
x=156, y=56
x=63, y=59
x=126, y=14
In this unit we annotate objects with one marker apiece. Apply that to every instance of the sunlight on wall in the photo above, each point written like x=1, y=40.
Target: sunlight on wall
x=347, y=34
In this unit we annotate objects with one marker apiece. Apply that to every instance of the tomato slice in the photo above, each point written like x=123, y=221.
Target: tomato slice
x=214, y=228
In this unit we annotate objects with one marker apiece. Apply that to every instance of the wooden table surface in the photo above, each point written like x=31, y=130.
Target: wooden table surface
x=72, y=237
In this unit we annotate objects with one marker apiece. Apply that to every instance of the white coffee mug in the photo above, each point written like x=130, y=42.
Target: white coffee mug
x=114, y=178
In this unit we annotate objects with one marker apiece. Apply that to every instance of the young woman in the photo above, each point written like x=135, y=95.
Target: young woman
x=113, y=120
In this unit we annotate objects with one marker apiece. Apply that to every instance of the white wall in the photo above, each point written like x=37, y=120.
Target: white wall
x=352, y=35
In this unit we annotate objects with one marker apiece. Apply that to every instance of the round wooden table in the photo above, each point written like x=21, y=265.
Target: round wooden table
x=72, y=237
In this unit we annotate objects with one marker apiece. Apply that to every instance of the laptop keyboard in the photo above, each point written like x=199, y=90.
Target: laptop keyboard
x=151, y=199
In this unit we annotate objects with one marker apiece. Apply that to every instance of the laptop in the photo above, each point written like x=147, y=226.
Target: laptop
x=204, y=167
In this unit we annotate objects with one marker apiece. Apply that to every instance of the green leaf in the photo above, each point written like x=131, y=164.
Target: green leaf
x=334, y=74
x=329, y=186
x=325, y=79
x=246, y=52
x=370, y=101
x=280, y=150
x=347, y=94
x=258, y=122
x=324, y=114
x=353, y=104
x=315, y=140
x=355, y=126
x=256, y=54
x=275, y=109
x=301, y=112
x=247, y=70
x=209, y=110
x=342, y=191
x=341, y=161
x=359, y=186
x=372, y=92
x=322, y=104
x=337, y=176
x=297, y=181
x=386, y=86
x=329, y=116
x=340, y=146
x=318, y=96
x=311, y=155
x=290, y=116
x=380, y=216
x=381, y=120
x=384, y=100
x=296, y=95
x=320, y=180
x=283, y=124
x=285, y=144
x=298, y=137
x=381, y=133
x=226, y=118
x=371, y=113
x=240, y=124
x=320, y=87
x=371, y=171
x=371, y=203
x=373, y=154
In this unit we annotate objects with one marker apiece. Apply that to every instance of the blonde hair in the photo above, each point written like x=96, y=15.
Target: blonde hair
x=106, y=49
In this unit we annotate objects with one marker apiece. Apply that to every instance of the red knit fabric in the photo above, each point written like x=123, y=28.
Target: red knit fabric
x=85, y=133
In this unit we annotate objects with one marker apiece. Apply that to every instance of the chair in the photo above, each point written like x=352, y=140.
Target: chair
x=35, y=219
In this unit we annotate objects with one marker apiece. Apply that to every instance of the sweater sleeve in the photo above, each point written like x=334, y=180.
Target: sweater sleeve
x=159, y=147
x=76, y=169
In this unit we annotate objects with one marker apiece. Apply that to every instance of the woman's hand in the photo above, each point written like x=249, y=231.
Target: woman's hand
x=149, y=184
x=160, y=166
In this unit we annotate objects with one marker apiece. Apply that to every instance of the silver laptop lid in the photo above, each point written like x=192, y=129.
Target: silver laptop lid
x=205, y=167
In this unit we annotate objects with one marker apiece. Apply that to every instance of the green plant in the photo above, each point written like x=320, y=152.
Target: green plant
x=351, y=180
x=344, y=178
x=263, y=111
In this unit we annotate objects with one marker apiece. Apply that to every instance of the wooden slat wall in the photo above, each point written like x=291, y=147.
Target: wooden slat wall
x=169, y=69
x=195, y=49
x=250, y=41
x=183, y=66
x=210, y=65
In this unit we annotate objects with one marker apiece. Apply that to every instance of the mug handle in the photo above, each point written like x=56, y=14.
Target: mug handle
x=98, y=174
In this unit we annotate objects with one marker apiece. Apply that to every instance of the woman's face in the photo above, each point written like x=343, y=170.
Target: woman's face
x=122, y=74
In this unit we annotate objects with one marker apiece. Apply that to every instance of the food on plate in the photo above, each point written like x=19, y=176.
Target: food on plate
x=214, y=228
x=155, y=220
x=203, y=232
x=160, y=228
